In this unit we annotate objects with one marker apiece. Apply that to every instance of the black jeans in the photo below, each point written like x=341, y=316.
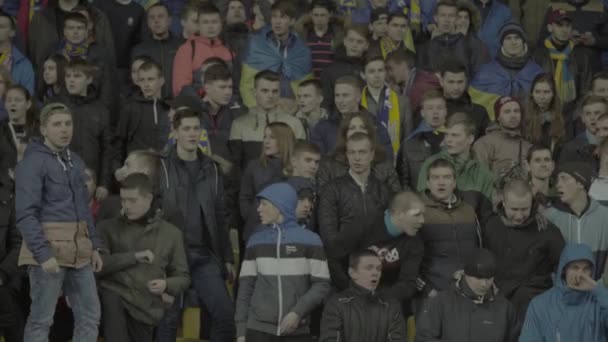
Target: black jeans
x=118, y=325
x=258, y=336
x=12, y=321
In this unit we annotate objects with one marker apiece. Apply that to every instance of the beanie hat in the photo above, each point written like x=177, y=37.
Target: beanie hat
x=582, y=172
x=480, y=264
x=503, y=101
x=510, y=28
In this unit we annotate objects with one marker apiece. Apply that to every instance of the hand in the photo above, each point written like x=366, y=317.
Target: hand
x=581, y=282
x=289, y=323
x=144, y=257
x=50, y=266
x=157, y=286
x=587, y=39
x=240, y=339
x=230, y=273
x=96, y=262
x=433, y=293
x=167, y=298
x=101, y=193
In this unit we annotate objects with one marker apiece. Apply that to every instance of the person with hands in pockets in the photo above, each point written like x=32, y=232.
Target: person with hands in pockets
x=53, y=216
x=284, y=275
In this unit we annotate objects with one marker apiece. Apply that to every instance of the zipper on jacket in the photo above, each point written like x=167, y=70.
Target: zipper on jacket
x=280, y=316
x=155, y=113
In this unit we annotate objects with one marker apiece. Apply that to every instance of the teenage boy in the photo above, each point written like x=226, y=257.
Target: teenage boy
x=302, y=172
x=76, y=45
x=18, y=65
x=278, y=48
x=539, y=166
x=247, y=131
x=193, y=53
x=189, y=21
x=580, y=218
x=163, y=45
x=144, y=122
x=398, y=36
x=52, y=214
x=145, y=265
x=92, y=138
x=193, y=187
x=281, y=249
x=360, y=313
x=310, y=112
x=391, y=110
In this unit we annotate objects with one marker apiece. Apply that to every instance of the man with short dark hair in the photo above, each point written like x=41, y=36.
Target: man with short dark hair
x=470, y=310
x=540, y=165
x=278, y=48
x=163, y=45
x=193, y=186
x=145, y=264
x=309, y=99
x=359, y=313
x=526, y=247
x=573, y=309
x=401, y=70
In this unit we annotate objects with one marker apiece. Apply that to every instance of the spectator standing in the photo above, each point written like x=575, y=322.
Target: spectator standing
x=273, y=304
x=494, y=15
x=540, y=167
x=21, y=126
x=162, y=46
x=52, y=82
x=310, y=112
x=18, y=65
x=398, y=36
x=359, y=313
x=39, y=206
x=401, y=71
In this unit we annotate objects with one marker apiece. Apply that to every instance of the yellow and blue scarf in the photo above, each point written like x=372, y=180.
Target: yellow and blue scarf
x=388, y=115
x=564, y=81
x=71, y=51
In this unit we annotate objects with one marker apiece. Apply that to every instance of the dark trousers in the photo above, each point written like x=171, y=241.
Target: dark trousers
x=209, y=283
x=12, y=321
x=258, y=336
x=118, y=325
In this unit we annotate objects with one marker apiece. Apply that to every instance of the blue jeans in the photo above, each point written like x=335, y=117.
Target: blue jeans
x=79, y=286
x=209, y=284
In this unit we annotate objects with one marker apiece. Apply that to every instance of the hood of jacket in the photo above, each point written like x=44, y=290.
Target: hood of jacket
x=572, y=252
x=37, y=146
x=495, y=128
x=461, y=166
x=284, y=197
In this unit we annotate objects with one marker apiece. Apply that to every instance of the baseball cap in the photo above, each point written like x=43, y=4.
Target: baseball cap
x=558, y=15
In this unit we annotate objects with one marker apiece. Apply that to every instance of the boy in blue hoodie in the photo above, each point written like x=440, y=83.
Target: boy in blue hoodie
x=284, y=275
x=575, y=309
x=60, y=244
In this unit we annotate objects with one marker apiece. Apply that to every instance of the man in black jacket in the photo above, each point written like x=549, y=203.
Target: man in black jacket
x=193, y=187
x=11, y=315
x=92, y=138
x=360, y=313
x=470, y=310
x=162, y=46
x=348, y=206
x=526, y=246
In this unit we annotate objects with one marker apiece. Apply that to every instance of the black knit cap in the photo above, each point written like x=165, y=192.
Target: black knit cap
x=480, y=264
x=582, y=172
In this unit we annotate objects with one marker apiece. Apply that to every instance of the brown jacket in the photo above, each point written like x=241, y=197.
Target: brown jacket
x=500, y=150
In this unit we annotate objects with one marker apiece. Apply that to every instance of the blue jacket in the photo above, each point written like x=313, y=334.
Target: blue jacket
x=362, y=15
x=50, y=187
x=427, y=11
x=22, y=71
x=498, y=15
x=563, y=314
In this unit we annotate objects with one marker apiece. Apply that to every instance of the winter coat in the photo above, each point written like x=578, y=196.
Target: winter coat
x=123, y=275
x=247, y=133
x=218, y=126
x=331, y=168
x=591, y=228
x=210, y=196
x=254, y=179
x=342, y=66
x=284, y=270
x=526, y=255
x=466, y=49
x=190, y=57
x=450, y=234
x=45, y=32
x=489, y=32
x=22, y=71
x=346, y=216
x=325, y=133
x=162, y=52
x=458, y=315
x=92, y=138
x=579, y=149
x=264, y=53
x=359, y=315
x=415, y=149
x=500, y=150
x=10, y=239
x=530, y=13
x=144, y=124
x=51, y=205
x=565, y=314
x=470, y=174
x=478, y=113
